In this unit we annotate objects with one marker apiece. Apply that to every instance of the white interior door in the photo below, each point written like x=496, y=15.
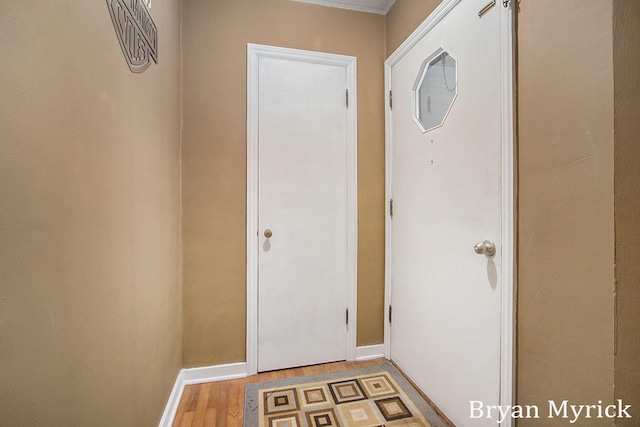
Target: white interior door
x=446, y=183
x=303, y=211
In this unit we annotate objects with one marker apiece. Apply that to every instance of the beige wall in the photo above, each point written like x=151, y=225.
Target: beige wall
x=89, y=218
x=403, y=18
x=566, y=229
x=626, y=58
x=215, y=36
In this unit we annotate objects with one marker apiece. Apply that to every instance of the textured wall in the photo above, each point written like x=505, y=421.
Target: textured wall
x=626, y=56
x=403, y=18
x=216, y=33
x=566, y=229
x=89, y=218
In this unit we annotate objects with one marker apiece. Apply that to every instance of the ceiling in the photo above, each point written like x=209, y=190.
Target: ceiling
x=372, y=6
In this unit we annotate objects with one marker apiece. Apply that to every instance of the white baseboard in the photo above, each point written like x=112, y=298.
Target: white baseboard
x=208, y=374
x=174, y=400
x=369, y=352
x=191, y=376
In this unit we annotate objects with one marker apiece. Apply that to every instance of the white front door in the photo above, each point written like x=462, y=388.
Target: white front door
x=303, y=219
x=446, y=184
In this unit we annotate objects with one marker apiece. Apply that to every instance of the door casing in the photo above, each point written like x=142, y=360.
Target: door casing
x=509, y=179
x=254, y=52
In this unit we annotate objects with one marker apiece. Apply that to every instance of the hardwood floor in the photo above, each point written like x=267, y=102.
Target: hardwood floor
x=221, y=403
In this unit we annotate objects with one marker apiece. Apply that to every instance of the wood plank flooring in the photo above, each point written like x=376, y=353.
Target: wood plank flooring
x=220, y=404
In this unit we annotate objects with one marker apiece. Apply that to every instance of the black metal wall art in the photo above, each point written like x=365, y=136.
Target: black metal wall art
x=136, y=31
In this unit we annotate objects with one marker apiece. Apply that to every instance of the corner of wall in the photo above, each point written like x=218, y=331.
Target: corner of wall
x=626, y=60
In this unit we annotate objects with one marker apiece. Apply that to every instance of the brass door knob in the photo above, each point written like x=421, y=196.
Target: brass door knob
x=268, y=233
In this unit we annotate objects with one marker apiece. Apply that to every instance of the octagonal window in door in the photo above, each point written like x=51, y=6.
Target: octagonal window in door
x=435, y=89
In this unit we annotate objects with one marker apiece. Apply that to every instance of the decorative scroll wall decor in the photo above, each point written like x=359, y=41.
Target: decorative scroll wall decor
x=136, y=31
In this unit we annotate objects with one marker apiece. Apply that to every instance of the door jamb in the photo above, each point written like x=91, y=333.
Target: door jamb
x=254, y=52
x=509, y=190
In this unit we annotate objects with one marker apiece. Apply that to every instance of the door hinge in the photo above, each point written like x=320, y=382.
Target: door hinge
x=506, y=4
x=347, y=317
x=346, y=95
x=391, y=100
x=391, y=208
x=390, y=314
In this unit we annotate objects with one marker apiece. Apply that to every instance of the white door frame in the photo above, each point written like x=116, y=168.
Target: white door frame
x=254, y=52
x=508, y=272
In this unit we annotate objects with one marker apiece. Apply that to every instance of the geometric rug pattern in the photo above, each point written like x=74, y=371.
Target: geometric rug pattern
x=369, y=400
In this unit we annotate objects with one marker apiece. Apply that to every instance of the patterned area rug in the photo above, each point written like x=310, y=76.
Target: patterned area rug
x=367, y=397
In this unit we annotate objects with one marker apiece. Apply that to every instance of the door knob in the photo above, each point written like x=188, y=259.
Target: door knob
x=487, y=248
x=268, y=233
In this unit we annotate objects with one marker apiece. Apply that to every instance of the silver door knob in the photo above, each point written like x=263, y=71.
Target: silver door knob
x=487, y=248
x=268, y=233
